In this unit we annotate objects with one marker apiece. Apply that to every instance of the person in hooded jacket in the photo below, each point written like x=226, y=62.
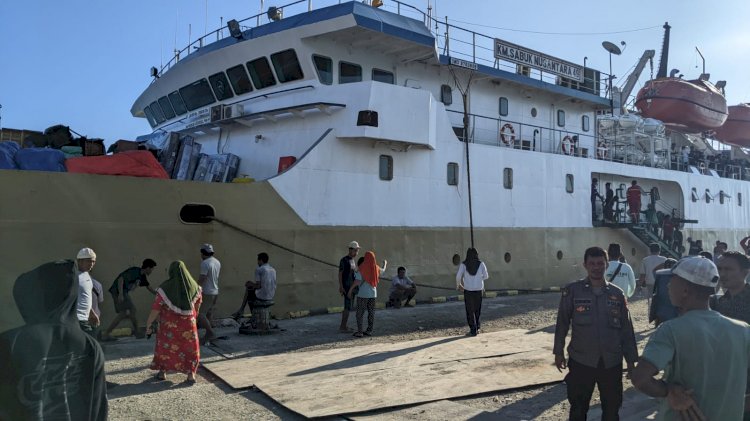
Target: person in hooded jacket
x=51, y=368
x=366, y=280
x=470, y=279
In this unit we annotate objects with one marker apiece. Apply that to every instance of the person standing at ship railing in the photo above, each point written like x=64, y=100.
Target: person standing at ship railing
x=347, y=269
x=634, y=194
x=209, y=282
x=470, y=279
x=594, y=196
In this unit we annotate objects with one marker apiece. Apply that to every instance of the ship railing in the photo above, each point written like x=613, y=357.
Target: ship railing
x=495, y=132
x=452, y=40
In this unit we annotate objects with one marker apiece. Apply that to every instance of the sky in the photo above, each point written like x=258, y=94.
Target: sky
x=83, y=63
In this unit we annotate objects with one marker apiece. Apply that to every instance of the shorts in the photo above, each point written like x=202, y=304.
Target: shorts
x=209, y=302
x=125, y=305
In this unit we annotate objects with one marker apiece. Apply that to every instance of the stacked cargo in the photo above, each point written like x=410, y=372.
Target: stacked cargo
x=182, y=159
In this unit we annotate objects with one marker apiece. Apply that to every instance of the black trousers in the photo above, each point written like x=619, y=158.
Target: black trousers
x=581, y=380
x=473, y=303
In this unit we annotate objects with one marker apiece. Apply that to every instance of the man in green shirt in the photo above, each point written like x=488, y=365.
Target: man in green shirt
x=125, y=283
x=704, y=355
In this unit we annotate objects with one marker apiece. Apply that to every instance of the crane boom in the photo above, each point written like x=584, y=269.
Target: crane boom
x=648, y=55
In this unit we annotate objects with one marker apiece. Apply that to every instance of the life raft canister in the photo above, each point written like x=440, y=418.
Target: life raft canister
x=601, y=150
x=511, y=137
x=567, y=145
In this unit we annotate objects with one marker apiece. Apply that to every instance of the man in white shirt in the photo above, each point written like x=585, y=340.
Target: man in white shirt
x=401, y=287
x=620, y=273
x=648, y=264
x=209, y=281
x=87, y=318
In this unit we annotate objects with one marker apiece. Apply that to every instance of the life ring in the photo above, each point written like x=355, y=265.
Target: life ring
x=601, y=150
x=567, y=145
x=512, y=134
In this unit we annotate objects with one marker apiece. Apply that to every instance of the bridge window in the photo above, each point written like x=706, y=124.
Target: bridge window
x=324, y=67
x=383, y=76
x=446, y=95
x=166, y=108
x=585, y=124
x=260, y=73
x=239, y=79
x=503, y=106
x=150, y=116
x=197, y=94
x=508, y=178
x=452, y=174
x=721, y=196
x=694, y=194
x=286, y=65
x=349, y=72
x=386, y=167
x=221, y=86
x=561, y=118
x=158, y=115
x=739, y=199
x=708, y=196
x=177, y=103
x=569, y=185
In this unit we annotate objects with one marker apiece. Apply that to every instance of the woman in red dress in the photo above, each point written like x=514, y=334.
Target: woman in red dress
x=176, y=306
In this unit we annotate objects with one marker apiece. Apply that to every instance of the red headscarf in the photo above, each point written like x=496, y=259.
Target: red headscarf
x=370, y=270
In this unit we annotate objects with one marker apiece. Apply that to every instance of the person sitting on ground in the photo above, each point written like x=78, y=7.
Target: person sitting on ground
x=176, y=307
x=124, y=285
x=661, y=308
x=367, y=279
x=52, y=369
x=262, y=289
x=401, y=287
x=618, y=272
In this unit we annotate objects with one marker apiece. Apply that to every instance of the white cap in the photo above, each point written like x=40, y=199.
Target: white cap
x=354, y=245
x=697, y=270
x=208, y=248
x=86, y=253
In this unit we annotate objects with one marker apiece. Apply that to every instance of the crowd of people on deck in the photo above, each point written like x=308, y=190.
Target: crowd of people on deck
x=699, y=304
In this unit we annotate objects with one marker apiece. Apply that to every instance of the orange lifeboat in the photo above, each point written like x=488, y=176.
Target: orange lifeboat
x=736, y=129
x=686, y=105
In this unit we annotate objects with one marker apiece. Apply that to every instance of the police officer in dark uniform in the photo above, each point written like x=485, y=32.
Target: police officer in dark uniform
x=602, y=336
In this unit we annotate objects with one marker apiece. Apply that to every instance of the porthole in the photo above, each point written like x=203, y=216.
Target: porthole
x=507, y=257
x=456, y=259
x=559, y=254
x=533, y=112
x=197, y=213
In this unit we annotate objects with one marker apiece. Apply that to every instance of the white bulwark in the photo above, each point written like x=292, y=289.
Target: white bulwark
x=514, y=53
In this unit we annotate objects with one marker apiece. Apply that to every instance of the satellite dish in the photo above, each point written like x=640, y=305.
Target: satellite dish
x=612, y=48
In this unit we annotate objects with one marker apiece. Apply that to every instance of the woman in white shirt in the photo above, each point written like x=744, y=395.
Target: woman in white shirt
x=470, y=279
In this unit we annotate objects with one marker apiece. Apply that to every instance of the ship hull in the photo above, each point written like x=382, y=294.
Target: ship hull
x=690, y=106
x=736, y=129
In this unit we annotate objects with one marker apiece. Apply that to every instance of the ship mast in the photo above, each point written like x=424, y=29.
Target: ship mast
x=664, y=53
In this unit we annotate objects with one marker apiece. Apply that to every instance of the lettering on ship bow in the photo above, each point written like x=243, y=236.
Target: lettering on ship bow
x=515, y=53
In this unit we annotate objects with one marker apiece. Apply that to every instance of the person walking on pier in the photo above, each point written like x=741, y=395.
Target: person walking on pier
x=124, y=285
x=602, y=336
x=209, y=281
x=470, y=279
x=347, y=268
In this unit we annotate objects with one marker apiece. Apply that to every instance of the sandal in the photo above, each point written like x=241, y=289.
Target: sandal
x=191, y=381
x=367, y=333
x=358, y=334
x=161, y=376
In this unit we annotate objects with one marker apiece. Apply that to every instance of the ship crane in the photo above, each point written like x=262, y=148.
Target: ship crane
x=621, y=96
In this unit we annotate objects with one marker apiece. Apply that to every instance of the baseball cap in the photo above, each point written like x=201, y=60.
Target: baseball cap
x=207, y=248
x=354, y=245
x=86, y=253
x=697, y=270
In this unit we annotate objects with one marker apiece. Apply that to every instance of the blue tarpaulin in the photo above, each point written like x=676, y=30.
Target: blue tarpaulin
x=41, y=159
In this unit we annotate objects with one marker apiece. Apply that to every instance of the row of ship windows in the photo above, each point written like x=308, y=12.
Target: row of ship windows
x=446, y=97
x=386, y=173
x=255, y=74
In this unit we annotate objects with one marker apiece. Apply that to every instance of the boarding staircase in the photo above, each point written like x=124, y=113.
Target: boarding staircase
x=648, y=237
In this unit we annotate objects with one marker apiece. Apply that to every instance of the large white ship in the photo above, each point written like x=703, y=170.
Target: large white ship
x=411, y=136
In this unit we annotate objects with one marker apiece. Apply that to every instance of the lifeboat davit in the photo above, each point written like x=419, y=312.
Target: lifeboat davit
x=736, y=129
x=686, y=105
